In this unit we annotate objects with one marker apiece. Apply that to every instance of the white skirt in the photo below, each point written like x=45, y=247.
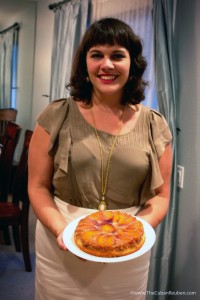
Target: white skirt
x=60, y=275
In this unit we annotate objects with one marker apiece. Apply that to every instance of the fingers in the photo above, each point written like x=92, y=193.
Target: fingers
x=61, y=243
x=64, y=248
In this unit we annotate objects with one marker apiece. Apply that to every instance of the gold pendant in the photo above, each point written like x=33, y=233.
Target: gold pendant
x=102, y=205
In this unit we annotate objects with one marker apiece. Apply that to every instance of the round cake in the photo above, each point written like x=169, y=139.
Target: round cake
x=109, y=234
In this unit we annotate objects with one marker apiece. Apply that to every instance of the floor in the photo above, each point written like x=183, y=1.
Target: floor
x=15, y=282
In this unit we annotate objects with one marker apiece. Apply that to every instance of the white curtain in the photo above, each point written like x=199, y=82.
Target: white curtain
x=6, y=48
x=69, y=26
x=138, y=15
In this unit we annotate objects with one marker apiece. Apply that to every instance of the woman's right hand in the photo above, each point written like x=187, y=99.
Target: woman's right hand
x=63, y=247
x=60, y=242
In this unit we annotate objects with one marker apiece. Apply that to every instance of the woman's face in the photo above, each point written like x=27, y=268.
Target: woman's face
x=108, y=68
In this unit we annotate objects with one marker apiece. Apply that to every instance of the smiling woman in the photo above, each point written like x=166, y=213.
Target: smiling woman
x=101, y=149
x=123, y=48
x=108, y=69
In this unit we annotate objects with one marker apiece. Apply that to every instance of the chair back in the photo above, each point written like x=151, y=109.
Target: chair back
x=20, y=186
x=6, y=115
x=16, y=213
x=9, y=144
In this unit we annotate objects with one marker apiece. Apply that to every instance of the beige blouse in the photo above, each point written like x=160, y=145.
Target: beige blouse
x=134, y=172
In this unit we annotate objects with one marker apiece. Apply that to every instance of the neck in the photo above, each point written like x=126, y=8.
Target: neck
x=107, y=100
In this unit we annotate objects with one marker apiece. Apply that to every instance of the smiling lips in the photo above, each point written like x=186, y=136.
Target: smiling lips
x=107, y=78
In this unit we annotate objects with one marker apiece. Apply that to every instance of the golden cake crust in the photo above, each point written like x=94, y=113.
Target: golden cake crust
x=109, y=234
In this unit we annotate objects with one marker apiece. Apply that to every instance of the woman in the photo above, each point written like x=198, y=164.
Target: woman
x=101, y=148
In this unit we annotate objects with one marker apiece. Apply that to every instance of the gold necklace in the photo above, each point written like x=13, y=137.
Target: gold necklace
x=102, y=204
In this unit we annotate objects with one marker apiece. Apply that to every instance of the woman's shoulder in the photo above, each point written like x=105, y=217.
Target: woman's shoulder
x=150, y=110
x=58, y=104
x=156, y=118
x=54, y=114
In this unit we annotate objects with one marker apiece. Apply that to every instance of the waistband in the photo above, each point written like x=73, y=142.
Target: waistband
x=71, y=212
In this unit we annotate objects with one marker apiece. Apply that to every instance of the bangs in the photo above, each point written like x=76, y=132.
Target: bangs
x=109, y=34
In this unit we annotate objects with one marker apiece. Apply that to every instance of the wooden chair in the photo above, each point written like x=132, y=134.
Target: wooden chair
x=9, y=144
x=6, y=115
x=16, y=212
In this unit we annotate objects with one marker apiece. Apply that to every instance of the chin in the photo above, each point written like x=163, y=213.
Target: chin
x=110, y=91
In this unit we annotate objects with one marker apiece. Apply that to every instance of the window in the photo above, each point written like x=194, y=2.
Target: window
x=14, y=75
x=8, y=66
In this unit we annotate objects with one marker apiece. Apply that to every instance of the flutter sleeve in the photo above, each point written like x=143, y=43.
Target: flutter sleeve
x=160, y=136
x=54, y=119
x=160, y=132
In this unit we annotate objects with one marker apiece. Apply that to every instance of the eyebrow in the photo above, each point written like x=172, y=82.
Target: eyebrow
x=115, y=51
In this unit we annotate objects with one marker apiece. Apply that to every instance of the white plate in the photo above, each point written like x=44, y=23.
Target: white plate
x=68, y=239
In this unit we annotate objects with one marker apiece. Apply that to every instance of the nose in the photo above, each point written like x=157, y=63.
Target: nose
x=107, y=63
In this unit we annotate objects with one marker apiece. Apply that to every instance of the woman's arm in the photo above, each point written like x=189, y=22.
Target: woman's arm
x=40, y=183
x=156, y=208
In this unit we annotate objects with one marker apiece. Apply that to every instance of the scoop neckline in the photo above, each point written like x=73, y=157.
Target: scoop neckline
x=104, y=132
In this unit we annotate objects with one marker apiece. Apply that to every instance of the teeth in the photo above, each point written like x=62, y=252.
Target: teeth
x=107, y=77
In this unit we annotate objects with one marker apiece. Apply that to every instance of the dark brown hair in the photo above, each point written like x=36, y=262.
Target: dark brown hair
x=109, y=31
